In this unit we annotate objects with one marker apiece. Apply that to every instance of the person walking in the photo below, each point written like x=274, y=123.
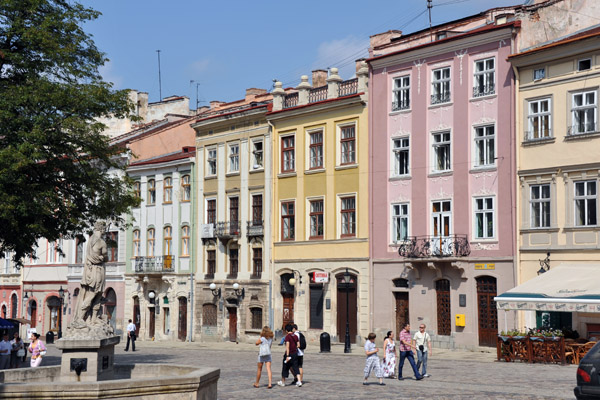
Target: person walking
x=389, y=356
x=37, y=350
x=264, y=354
x=18, y=351
x=130, y=336
x=300, y=352
x=290, y=357
x=422, y=343
x=406, y=352
x=5, y=351
x=372, y=362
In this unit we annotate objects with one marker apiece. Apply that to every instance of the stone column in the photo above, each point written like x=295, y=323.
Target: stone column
x=363, y=77
x=333, y=84
x=278, y=96
x=303, y=90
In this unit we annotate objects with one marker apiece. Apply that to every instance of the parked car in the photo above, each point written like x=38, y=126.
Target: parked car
x=588, y=375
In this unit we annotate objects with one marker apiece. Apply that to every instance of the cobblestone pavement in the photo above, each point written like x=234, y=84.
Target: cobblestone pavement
x=455, y=374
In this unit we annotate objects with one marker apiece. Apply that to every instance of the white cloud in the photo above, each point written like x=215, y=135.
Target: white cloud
x=341, y=54
x=107, y=71
x=199, y=67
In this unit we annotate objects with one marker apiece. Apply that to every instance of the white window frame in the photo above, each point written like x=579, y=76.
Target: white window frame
x=486, y=214
x=211, y=162
x=258, y=161
x=441, y=91
x=538, y=118
x=539, y=74
x=399, y=212
x=292, y=161
x=435, y=146
x=234, y=157
x=340, y=224
x=400, y=145
x=585, y=198
x=485, y=146
x=309, y=201
x=588, y=126
x=401, y=93
x=309, y=157
x=484, y=80
x=340, y=128
x=542, y=204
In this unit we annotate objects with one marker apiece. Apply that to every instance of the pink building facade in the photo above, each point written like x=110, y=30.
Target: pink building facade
x=443, y=178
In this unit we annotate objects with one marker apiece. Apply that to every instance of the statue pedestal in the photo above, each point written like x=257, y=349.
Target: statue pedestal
x=92, y=358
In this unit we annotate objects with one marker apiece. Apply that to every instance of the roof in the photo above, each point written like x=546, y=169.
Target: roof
x=590, y=33
x=230, y=111
x=186, y=152
x=315, y=103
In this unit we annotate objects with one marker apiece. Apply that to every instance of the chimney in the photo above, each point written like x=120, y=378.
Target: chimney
x=251, y=93
x=319, y=78
x=359, y=64
x=215, y=104
x=384, y=38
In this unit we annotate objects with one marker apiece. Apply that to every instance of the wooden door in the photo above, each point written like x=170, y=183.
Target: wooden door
x=232, y=324
x=288, y=309
x=346, y=293
x=444, y=322
x=182, y=322
x=486, y=310
x=152, y=322
x=33, y=306
x=136, y=316
x=402, y=316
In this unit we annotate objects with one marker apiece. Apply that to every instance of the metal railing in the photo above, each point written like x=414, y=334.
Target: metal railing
x=154, y=264
x=290, y=100
x=227, y=229
x=400, y=105
x=348, y=87
x=484, y=90
x=435, y=246
x=582, y=129
x=438, y=98
x=317, y=94
x=530, y=136
x=255, y=228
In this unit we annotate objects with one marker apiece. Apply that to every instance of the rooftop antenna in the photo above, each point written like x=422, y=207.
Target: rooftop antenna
x=197, y=84
x=159, y=82
x=429, y=7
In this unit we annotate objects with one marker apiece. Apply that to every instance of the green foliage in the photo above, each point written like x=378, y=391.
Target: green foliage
x=58, y=172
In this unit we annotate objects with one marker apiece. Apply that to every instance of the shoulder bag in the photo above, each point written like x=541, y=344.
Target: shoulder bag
x=264, y=349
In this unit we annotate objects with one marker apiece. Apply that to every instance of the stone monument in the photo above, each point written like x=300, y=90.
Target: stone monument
x=89, y=342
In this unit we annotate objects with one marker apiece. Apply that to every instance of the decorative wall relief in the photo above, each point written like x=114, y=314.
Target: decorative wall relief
x=418, y=64
x=460, y=55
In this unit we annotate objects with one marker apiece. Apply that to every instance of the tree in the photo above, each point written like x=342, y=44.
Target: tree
x=56, y=167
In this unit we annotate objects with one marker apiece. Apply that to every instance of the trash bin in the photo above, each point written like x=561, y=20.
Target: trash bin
x=49, y=337
x=26, y=347
x=325, y=342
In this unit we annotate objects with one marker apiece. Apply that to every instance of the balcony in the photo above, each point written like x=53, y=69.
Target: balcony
x=255, y=228
x=484, y=90
x=439, y=98
x=435, y=246
x=317, y=94
x=290, y=100
x=158, y=264
x=227, y=230
x=256, y=274
x=582, y=129
x=348, y=87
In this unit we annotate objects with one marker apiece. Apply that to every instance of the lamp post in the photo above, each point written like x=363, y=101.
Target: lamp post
x=215, y=292
x=61, y=296
x=347, y=337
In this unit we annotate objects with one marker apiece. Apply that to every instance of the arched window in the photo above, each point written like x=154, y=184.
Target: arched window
x=167, y=240
x=110, y=307
x=33, y=313
x=136, y=243
x=80, y=240
x=185, y=240
x=150, y=243
x=151, y=191
x=168, y=190
x=14, y=305
x=209, y=315
x=186, y=189
x=137, y=191
x=4, y=311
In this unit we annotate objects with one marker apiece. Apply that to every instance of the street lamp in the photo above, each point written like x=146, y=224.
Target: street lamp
x=61, y=296
x=216, y=292
x=544, y=264
x=293, y=281
x=347, y=279
x=238, y=292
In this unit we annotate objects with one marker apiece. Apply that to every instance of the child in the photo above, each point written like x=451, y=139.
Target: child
x=372, y=360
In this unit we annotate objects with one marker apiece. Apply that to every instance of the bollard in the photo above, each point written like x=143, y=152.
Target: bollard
x=49, y=337
x=325, y=342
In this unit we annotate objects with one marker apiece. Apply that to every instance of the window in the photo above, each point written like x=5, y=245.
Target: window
x=151, y=191
x=79, y=241
x=14, y=304
x=168, y=190
x=137, y=191
x=185, y=240
x=484, y=218
x=539, y=120
x=256, y=318
x=348, y=145
x=150, y=243
x=234, y=206
x=234, y=157
x=287, y=221
x=584, y=65
x=441, y=35
x=440, y=85
x=316, y=150
x=209, y=315
x=287, y=154
x=186, y=189
x=167, y=241
x=401, y=156
x=441, y=151
x=539, y=73
x=540, y=206
x=257, y=212
x=316, y=307
x=51, y=252
x=584, y=113
x=211, y=160
x=112, y=246
x=483, y=79
x=348, y=214
x=211, y=257
x=485, y=153
x=585, y=203
x=137, y=243
x=257, y=262
x=401, y=93
x=166, y=321
x=211, y=211
x=257, y=154
x=233, y=263
x=316, y=219
x=399, y=222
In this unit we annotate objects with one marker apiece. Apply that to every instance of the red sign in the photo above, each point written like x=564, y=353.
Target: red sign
x=320, y=277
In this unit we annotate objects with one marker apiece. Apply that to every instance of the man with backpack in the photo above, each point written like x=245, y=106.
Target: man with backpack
x=290, y=357
x=300, y=351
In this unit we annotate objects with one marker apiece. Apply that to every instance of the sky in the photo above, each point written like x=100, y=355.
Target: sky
x=221, y=48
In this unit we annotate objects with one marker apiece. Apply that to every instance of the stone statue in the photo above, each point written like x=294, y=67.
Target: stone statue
x=86, y=319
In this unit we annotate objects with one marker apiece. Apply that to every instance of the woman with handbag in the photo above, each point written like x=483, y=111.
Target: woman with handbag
x=264, y=354
x=37, y=350
x=18, y=351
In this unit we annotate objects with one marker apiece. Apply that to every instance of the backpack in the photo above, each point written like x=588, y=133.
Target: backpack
x=302, y=341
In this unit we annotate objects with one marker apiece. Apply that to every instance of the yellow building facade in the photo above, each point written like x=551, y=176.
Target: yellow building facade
x=320, y=206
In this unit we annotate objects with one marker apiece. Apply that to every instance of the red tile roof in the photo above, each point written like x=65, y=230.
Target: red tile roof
x=186, y=152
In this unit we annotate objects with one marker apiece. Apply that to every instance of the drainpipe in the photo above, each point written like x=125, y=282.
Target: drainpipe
x=513, y=196
x=191, y=306
x=271, y=311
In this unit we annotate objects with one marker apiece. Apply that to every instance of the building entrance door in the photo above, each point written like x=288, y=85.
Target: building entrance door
x=442, y=289
x=346, y=293
x=232, y=324
x=402, y=316
x=486, y=310
x=151, y=322
x=288, y=309
x=182, y=322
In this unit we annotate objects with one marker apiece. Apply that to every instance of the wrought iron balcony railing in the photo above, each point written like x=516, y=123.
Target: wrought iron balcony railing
x=255, y=228
x=400, y=105
x=225, y=230
x=154, y=264
x=439, y=98
x=435, y=246
x=582, y=129
x=484, y=90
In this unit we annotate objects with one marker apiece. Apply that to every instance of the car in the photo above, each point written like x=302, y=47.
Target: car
x=588, y=375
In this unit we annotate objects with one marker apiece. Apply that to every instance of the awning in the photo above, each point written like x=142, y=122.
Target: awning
x=4, y=324
x=22, y=321
x=567, y=287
